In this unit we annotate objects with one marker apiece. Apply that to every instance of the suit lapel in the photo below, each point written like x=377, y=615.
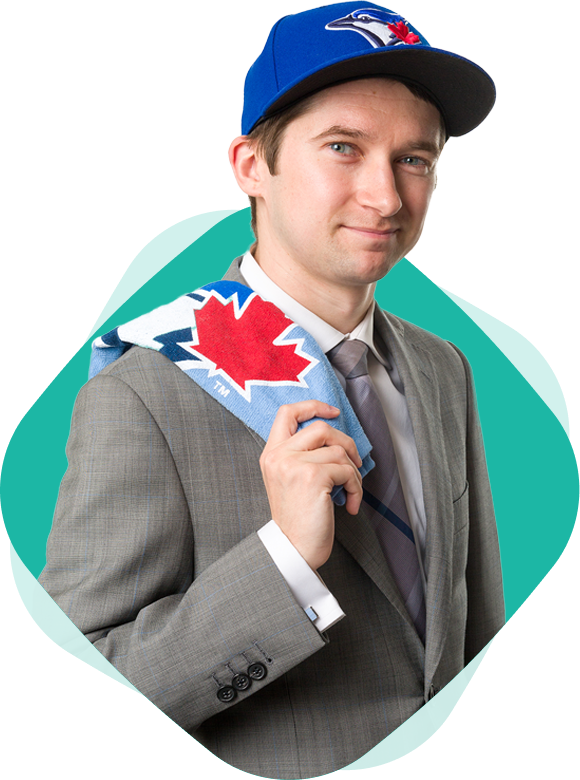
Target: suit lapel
x=356, y=535
x=422, y=396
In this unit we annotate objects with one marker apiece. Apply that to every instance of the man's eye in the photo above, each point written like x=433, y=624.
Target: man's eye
x=415, y=161
x=342, y=148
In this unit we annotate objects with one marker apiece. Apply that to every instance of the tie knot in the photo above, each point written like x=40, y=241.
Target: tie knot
x=350, y=358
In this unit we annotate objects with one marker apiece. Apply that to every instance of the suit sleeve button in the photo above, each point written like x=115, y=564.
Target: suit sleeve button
x=257, y=671
x=241, y=682
x=226, y=694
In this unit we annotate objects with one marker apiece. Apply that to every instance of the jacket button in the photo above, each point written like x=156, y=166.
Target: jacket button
x=432, y=691
x=226, y=694
x=241, y=682
x=257, y=671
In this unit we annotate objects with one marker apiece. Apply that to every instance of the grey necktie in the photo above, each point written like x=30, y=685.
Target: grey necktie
x=382, y=490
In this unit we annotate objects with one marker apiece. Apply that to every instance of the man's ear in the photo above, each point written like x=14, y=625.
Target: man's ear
x=248, y=168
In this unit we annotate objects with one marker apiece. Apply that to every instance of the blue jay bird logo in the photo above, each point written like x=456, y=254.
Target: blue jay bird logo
x=380, y=28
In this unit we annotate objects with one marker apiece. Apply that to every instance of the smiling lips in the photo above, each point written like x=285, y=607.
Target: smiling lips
x=372, y=232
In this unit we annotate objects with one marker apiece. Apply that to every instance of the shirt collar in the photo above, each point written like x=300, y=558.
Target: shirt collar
x=325, y=335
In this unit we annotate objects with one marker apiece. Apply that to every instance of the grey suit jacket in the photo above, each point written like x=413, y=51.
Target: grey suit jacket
x=154, y=556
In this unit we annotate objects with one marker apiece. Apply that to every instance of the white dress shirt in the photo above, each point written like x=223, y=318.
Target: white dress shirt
x=306, y=585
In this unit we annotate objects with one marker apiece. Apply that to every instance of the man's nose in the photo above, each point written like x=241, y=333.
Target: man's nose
x=377, y=189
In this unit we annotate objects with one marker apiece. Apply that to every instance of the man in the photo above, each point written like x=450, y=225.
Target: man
x=281, y=599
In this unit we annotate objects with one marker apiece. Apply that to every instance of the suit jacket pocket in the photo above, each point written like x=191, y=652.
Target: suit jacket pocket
x=461, y=510
x=461, y=534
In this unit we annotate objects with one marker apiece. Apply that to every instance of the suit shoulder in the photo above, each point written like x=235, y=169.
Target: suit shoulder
x=147, y=373
x=421, y=337
x=139, y=359
x=444, y=354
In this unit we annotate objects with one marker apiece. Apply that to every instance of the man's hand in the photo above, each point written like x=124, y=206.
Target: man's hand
x=301, y=469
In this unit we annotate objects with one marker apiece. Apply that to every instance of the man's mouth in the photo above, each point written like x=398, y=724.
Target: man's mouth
x=372, y=232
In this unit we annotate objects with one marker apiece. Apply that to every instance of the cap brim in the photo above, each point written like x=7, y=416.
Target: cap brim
x=463, y=91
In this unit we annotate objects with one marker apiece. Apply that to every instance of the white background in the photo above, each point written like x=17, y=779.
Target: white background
x=140, y=100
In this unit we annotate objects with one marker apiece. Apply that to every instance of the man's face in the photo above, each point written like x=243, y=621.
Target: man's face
x=353, y=182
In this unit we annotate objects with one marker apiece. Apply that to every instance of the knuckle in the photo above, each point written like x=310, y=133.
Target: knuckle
x=310, y=473
x=285, y=467
x=352, y=473
x=267, y=459
x=337, y=452
x=284, y=411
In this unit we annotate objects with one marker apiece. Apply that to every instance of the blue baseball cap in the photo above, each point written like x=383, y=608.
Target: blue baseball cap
x=315, y=49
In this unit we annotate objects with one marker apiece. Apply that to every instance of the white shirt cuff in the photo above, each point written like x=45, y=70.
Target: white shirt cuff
x=305, y=584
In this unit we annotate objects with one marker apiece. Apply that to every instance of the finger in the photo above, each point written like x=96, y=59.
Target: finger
x=329, y=455
x=353, y=502
x=349, y=477
x=320, y=434
x=289, y=416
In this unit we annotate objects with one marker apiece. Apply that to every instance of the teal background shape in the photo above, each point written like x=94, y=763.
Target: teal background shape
x=476, y=253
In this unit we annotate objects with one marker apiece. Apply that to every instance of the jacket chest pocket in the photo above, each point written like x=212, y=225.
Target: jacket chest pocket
x=461, y=534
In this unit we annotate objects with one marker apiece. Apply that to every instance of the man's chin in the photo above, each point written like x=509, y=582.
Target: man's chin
x=372, y=268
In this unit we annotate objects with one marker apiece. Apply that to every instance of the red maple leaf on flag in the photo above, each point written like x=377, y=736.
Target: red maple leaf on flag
x=243, y=348
x=401, y=30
